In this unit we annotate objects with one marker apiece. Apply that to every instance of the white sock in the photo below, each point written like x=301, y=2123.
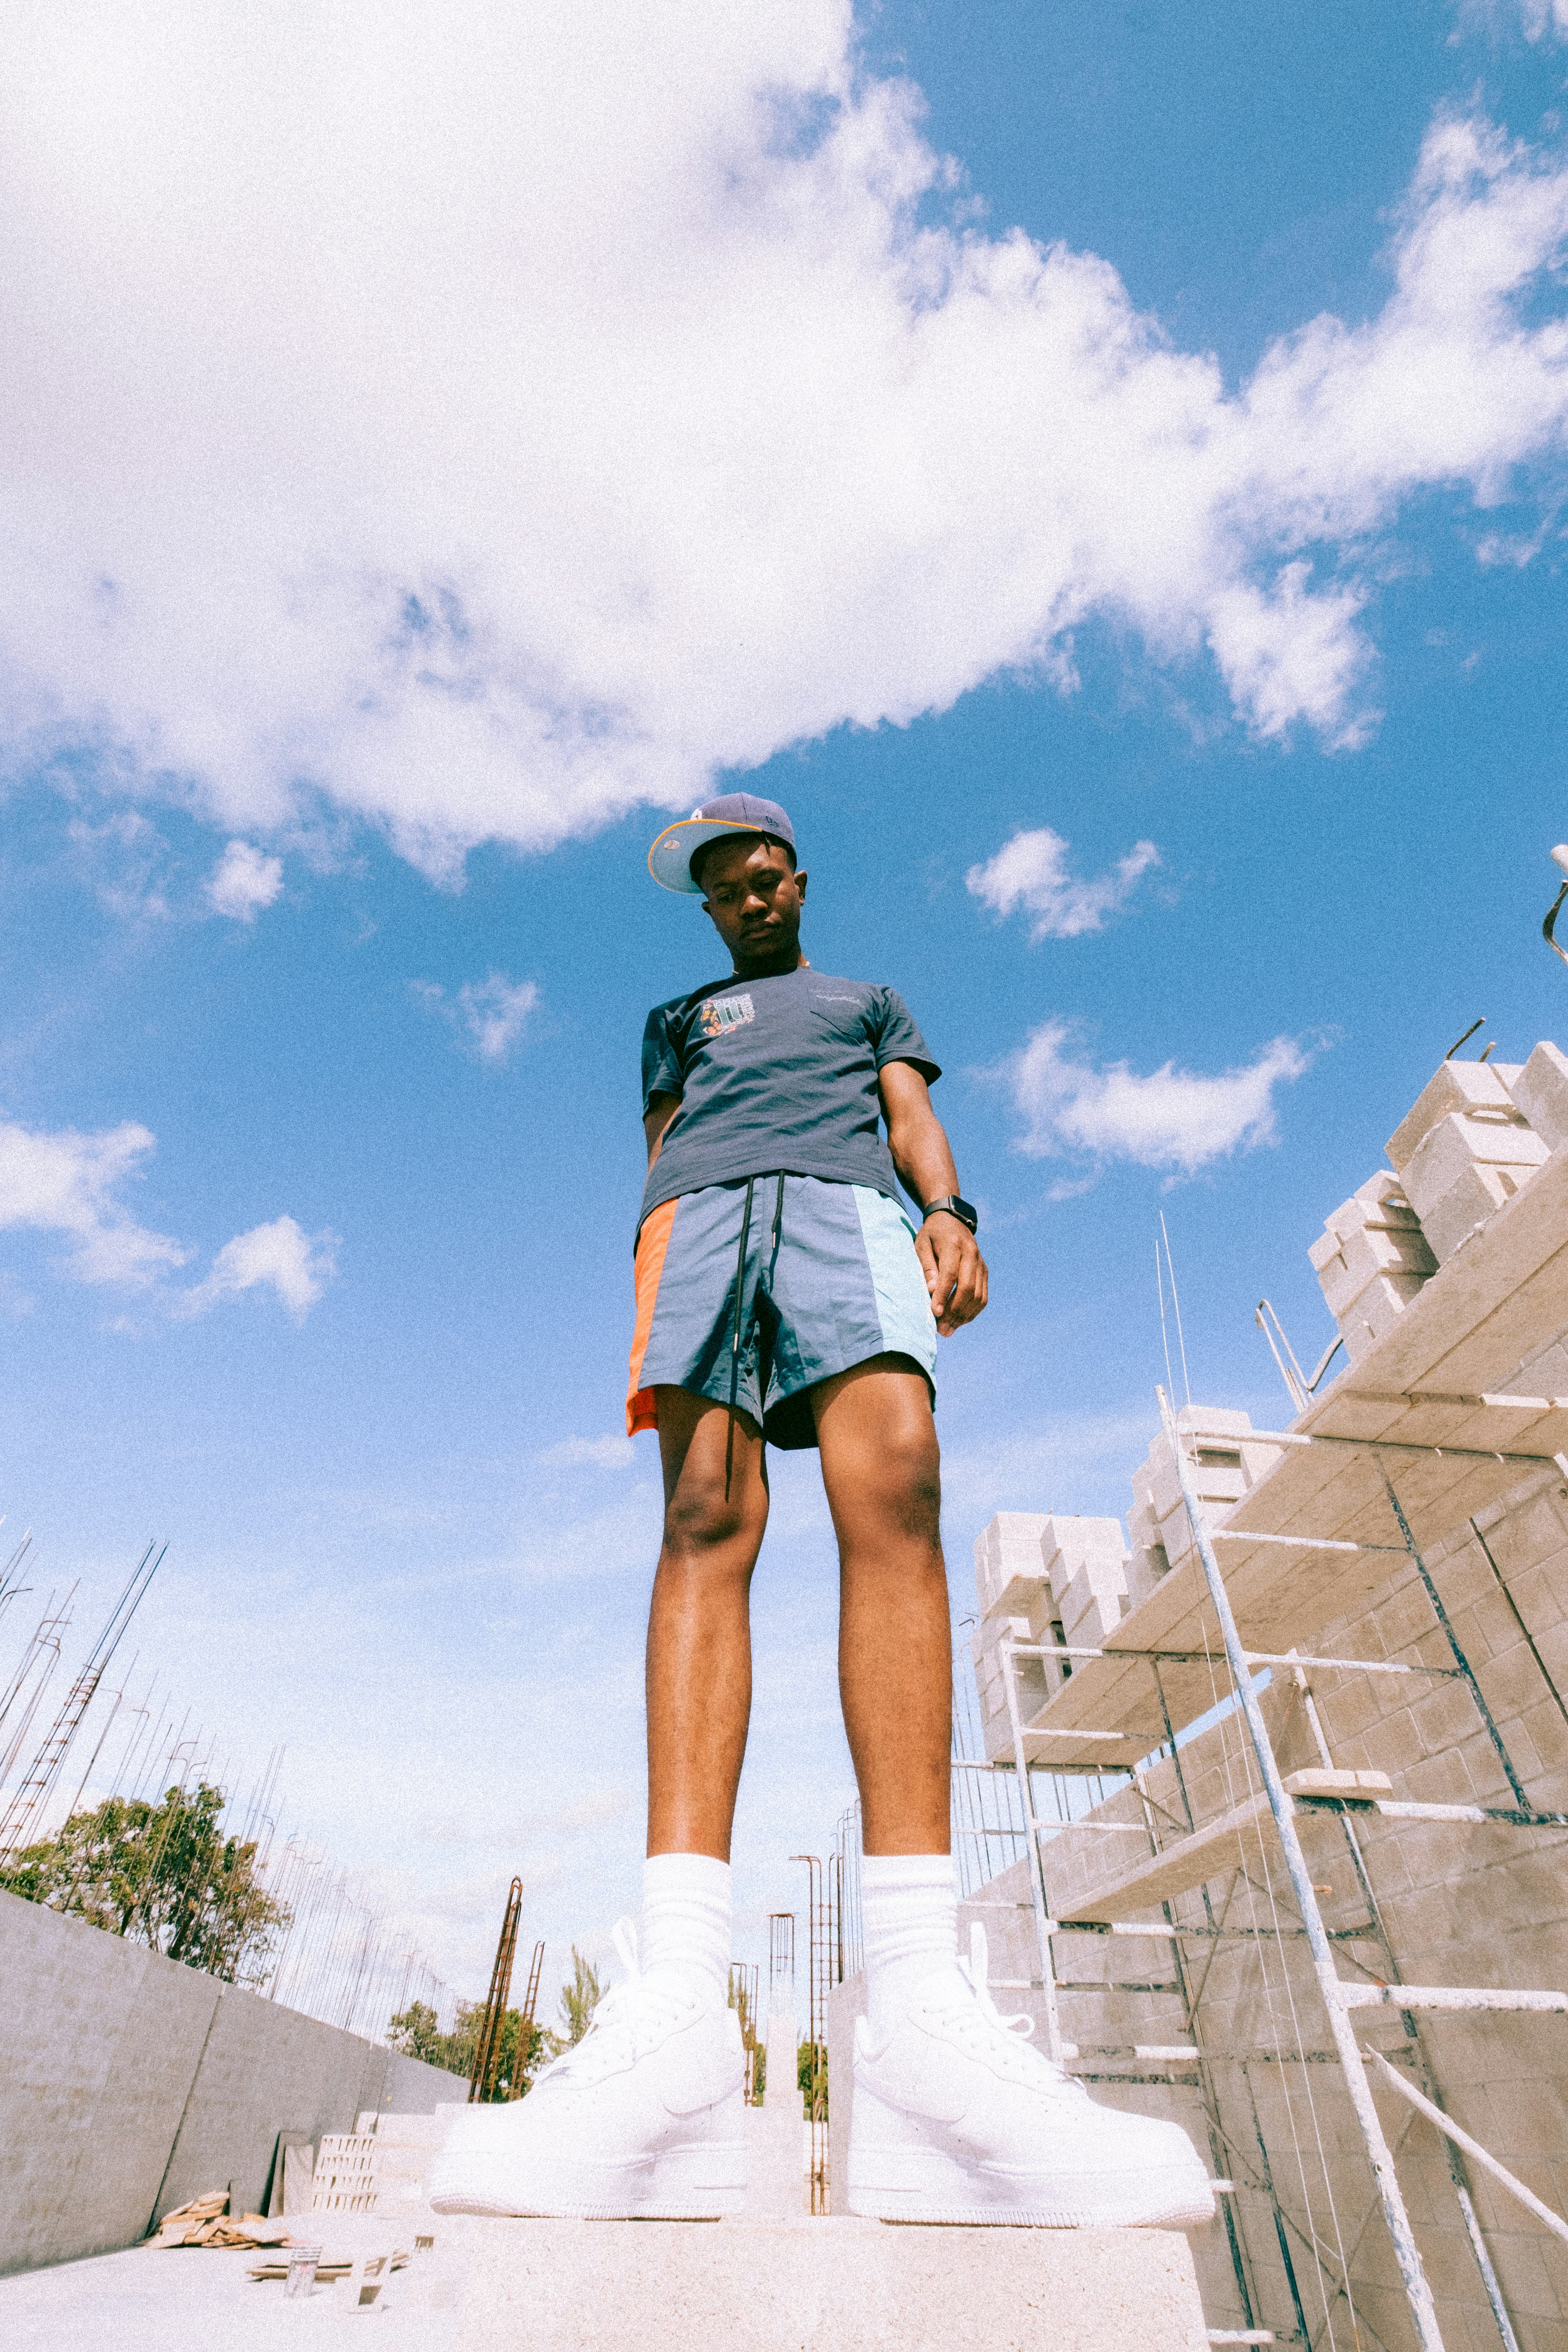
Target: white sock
x=686, y=1918
x=909, y=1926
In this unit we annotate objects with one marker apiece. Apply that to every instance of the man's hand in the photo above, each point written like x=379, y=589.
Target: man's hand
x=954, y=1270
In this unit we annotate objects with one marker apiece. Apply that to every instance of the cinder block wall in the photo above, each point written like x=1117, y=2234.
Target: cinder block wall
x=1463, y=1905
x=129, y=2082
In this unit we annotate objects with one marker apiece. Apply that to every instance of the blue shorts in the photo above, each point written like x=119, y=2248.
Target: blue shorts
x=829, y=1276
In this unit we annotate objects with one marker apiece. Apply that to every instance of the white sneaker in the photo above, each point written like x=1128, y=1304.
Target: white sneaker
x=955, y=2120
x=644, y=2118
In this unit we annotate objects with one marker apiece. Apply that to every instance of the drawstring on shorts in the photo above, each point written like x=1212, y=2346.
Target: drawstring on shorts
x=763, y=1367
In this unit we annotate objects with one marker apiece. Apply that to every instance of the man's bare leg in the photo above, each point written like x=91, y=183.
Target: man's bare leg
x=699, y=1632
x=881, y=1468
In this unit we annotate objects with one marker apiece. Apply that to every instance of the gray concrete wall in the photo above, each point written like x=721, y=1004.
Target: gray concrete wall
x=128, y=2083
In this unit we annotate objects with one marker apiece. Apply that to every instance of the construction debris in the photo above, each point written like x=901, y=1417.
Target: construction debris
x=330, y=2267
x=206, y=2222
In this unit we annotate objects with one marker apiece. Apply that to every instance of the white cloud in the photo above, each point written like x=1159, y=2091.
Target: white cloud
x=1031, y=872
x=490, y=420
x=69, y=1184
x=596, y=1452
x=1538, y=20
x=1174, y=1119
x=279, y=1257
x=243, y=880
x=490, y=1013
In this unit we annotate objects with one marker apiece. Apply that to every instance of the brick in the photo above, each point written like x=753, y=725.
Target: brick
x=1444, y=1717
x=1454, y=1088
x=1547, y=1732
x=1541, y=1092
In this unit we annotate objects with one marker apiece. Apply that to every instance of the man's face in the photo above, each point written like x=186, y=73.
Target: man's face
x=754, y=897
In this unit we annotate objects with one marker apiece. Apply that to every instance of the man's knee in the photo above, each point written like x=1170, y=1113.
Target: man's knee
x=903, y=1479
x=701, y=1519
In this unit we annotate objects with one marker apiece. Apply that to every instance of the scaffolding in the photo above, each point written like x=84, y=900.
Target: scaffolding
x=821, y=1945
x=742, y=1999
x=1137, y=1690
x=1429, y=1438
x=492, y=2024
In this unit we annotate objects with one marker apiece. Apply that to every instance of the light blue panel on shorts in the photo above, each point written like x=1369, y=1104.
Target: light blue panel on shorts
x=898, y=1278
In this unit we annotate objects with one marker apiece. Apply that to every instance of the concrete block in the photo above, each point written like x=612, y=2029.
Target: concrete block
x=1541, y=1092
x=1036, y=1679
x=1145, y=1566
x=825, y=2285
x=1475, y=1195
x=1347, y=1263
x=1228, y=1466
x=1457, y=1144
x=1008, y=1546
x=1091, y=1607
x=1459, y=1089
x=1375, y=1309
x=1072, y=1547
x=1381, y=1196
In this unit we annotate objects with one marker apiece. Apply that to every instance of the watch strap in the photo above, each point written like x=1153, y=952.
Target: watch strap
x=955, y=1207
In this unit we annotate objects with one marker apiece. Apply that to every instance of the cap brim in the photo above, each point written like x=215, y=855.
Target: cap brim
x=670, y=859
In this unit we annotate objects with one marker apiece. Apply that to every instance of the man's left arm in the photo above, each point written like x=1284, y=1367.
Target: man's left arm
x=954, y=1269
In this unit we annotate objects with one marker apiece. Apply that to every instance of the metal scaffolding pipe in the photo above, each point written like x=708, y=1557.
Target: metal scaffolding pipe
x=1418, y=2294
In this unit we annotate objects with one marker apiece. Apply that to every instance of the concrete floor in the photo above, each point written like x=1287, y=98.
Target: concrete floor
x=800, y=2285
x=185, y=2299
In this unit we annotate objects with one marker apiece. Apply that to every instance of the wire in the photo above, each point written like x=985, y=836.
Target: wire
x=1176, y=1307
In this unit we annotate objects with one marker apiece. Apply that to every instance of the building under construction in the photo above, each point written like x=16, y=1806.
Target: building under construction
x=1265, y=1812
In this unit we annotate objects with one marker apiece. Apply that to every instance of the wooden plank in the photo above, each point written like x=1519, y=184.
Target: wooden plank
x=1175, y=1870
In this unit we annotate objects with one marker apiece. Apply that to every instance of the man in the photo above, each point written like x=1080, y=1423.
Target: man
x=783, y=1298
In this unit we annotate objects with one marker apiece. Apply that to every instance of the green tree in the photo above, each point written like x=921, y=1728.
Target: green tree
x=164, y=1874
x=516, y=2066
x=579, y=1996
x=417, y=2032
x=811, y=2073
x=741, y=2002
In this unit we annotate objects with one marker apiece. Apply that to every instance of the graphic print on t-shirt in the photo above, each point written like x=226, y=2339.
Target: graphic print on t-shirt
x=722, y=1013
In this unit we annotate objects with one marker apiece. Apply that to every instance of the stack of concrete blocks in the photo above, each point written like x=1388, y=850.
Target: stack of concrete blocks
x=1469, y=1145
x=1015, y=1605
x=1227, y=1467
x=1372, y=1259
x=1044, y=1579
x=1085, y=1565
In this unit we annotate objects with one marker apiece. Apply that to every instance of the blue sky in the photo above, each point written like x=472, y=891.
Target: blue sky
x=435, y=502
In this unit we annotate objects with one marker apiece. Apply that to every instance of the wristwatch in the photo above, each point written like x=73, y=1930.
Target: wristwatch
x=954, y=1208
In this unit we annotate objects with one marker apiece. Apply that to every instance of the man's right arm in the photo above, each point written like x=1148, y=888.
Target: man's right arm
x=661, y=1109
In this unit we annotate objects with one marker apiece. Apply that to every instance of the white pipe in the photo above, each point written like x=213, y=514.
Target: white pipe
x=1464, y=1997
x=1036, y=1867
x=1472, y=2147
x=1418, y=2294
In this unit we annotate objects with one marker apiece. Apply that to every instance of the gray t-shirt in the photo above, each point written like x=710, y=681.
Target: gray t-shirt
x=775, y=1074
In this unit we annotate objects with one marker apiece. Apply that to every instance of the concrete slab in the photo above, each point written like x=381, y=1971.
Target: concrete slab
x=776, y=2188
x=190, y=2300
x=838, y=2285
